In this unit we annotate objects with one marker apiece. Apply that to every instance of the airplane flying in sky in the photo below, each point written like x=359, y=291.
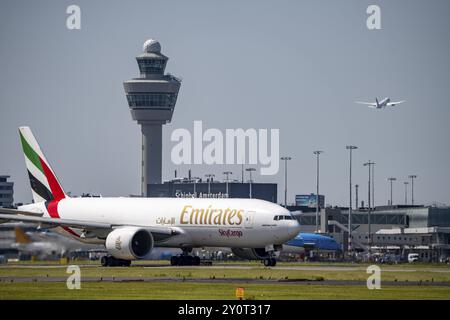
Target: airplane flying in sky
x=130, y=227
x=386, y=102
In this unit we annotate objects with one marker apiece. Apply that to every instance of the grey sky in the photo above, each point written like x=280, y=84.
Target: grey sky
x=293, y=65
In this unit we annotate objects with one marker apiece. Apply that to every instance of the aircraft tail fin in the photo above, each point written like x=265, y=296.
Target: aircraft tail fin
x=378, y=104
x=21, y=237
x=44, y=184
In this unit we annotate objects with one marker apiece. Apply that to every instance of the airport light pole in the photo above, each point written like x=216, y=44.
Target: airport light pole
x=406, y=192
x=391, y=180
x=373, y=185
x=209, y=176
x=195, y=183
x=350, y=148
x=317, y=153
x=356, y=200
x=195, y=188
x=369, y=164
x=250, y=170
x=412, y=177
x=227, y=174
x=286, y=159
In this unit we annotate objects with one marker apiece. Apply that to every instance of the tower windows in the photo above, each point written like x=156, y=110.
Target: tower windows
x=151, y=66
x=151, y=99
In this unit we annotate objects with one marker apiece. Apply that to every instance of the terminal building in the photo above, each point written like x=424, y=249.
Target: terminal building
x=6, y=191
x=398, y=229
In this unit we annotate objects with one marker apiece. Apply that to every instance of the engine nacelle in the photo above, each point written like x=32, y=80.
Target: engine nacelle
x=250, y=253
x=129, y=243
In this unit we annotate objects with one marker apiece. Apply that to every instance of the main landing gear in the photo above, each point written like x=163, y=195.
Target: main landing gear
x=185, y=259
x=270, y=262
x=110, y=261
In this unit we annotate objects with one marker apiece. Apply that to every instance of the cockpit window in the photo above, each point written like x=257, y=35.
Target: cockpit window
x=277, y=218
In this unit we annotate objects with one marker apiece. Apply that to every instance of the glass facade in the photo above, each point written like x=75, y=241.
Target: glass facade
x=307, y=220
x=151, y=66
x=439, y=217
x=154, y=99
x=383, y=219
x=6, y=192
x=422, y=217
x=417, y=217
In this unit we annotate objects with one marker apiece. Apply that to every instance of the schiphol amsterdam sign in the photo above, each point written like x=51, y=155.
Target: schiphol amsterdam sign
x=219, y=195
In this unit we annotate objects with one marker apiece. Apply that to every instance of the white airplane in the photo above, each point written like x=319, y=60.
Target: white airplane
x=130, y=227
x=386, y=102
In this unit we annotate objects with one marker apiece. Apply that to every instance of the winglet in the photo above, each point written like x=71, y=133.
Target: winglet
x=21, y=237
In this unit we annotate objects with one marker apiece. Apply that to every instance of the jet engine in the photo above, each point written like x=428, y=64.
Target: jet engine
x=129, y=243
x=250, y=253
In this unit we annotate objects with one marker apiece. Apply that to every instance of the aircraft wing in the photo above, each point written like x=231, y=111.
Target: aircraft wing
x=15, y=211
x=369, y=104
x=53, y=221
x=392, y=104
x=8, y=215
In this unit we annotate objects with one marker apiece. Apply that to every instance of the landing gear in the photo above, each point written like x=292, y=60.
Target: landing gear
x=185, y=259
x=271, y=250
x=110, y=261
x=270, y=262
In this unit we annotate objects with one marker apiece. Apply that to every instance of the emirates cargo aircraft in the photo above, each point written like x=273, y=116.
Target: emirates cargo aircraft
x=131, y=227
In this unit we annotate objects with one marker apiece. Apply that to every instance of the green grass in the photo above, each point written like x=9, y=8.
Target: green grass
x=160, y=289
x=179, y=290
x=389, y=273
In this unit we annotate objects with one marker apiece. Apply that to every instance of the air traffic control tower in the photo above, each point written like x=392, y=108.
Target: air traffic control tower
x=151, y=99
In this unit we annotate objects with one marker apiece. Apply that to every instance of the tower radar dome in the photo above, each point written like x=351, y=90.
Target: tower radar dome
x=151, y=45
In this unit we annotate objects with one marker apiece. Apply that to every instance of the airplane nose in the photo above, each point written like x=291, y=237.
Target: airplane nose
x=294, y=228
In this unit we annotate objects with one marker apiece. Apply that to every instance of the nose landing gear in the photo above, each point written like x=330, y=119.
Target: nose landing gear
x=271, y=250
